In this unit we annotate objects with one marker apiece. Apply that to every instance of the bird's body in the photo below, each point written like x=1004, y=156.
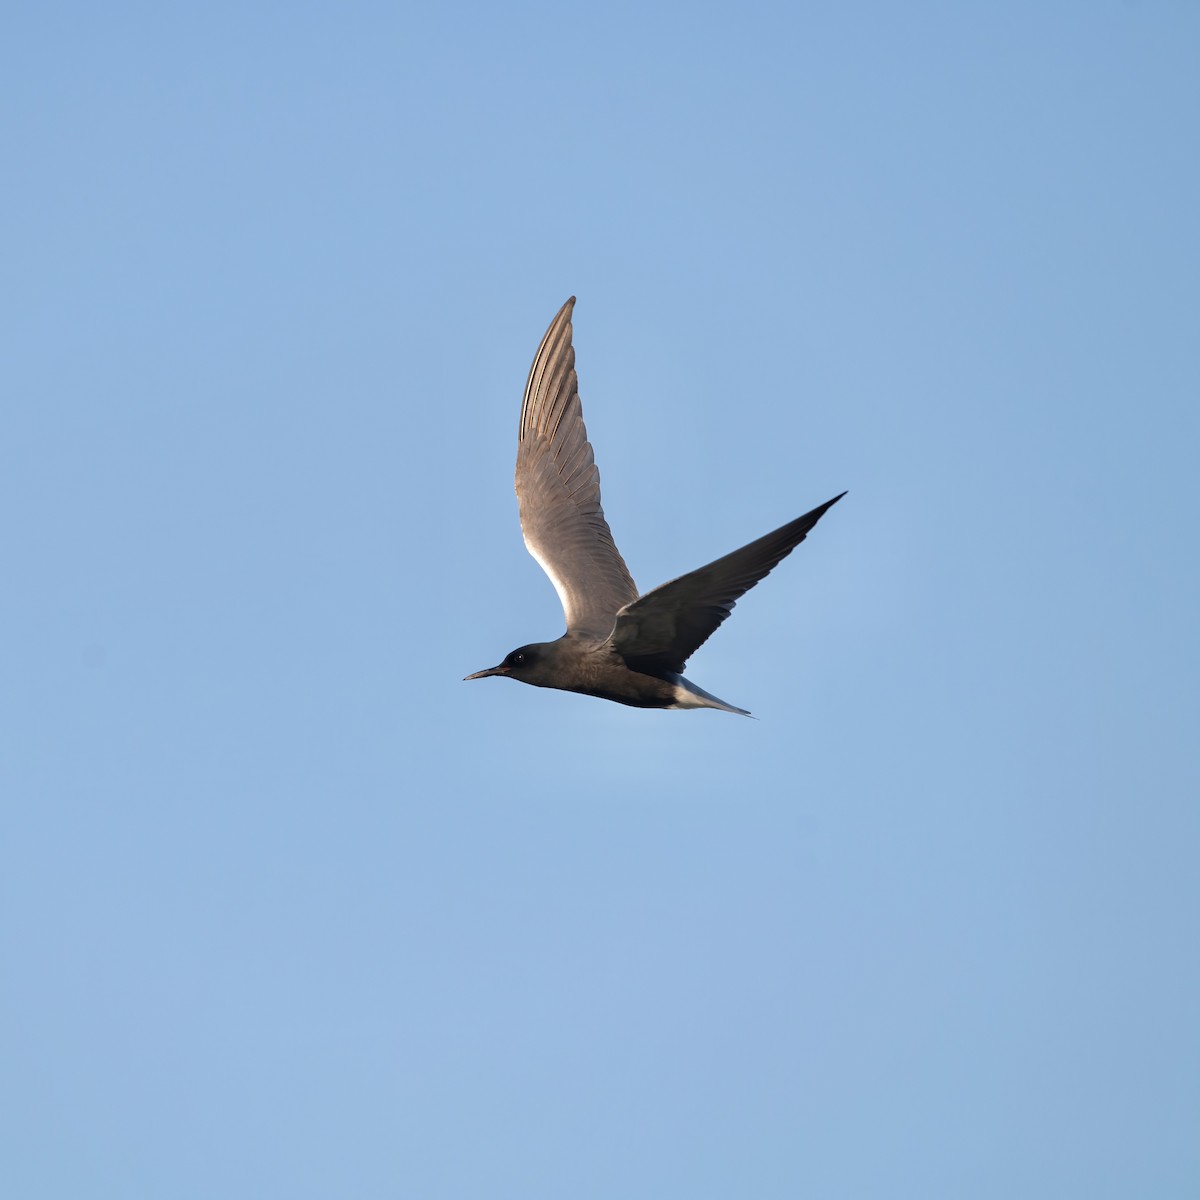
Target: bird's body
x=618, y=645
x=596, y=669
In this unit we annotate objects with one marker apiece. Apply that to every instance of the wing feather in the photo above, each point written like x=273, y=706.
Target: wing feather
x=661, y=630
x=558, y=490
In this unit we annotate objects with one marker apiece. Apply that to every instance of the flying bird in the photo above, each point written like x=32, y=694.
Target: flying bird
x=618, y=645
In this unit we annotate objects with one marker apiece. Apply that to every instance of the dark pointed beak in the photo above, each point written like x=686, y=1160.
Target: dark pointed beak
x=500, y=670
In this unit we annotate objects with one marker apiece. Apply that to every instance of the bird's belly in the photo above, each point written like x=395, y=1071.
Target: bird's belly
x=632, y=688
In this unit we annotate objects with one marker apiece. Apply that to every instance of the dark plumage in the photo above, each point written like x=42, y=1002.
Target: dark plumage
x=618, y=645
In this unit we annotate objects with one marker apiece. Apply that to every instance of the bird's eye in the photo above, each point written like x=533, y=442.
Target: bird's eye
x=517, y=658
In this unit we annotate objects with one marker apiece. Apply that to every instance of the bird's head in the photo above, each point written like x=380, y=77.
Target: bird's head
x=526, y=663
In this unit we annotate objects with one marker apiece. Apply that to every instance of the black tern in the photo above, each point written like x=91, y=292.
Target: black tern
x=618, y=645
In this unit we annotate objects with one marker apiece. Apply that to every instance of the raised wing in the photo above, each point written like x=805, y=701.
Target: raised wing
x=660, y=631
x=558, y=488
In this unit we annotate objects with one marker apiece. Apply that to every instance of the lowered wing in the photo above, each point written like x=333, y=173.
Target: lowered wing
x=662, y=629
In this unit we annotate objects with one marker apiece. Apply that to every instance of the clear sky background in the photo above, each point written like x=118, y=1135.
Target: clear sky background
x=287, y=909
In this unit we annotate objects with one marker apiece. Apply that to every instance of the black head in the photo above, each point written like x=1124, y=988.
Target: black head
x=521, y=663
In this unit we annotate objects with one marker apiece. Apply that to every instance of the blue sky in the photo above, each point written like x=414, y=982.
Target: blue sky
x=288, y=909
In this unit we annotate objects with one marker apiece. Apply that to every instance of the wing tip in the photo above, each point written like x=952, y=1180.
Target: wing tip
x=821, y=509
